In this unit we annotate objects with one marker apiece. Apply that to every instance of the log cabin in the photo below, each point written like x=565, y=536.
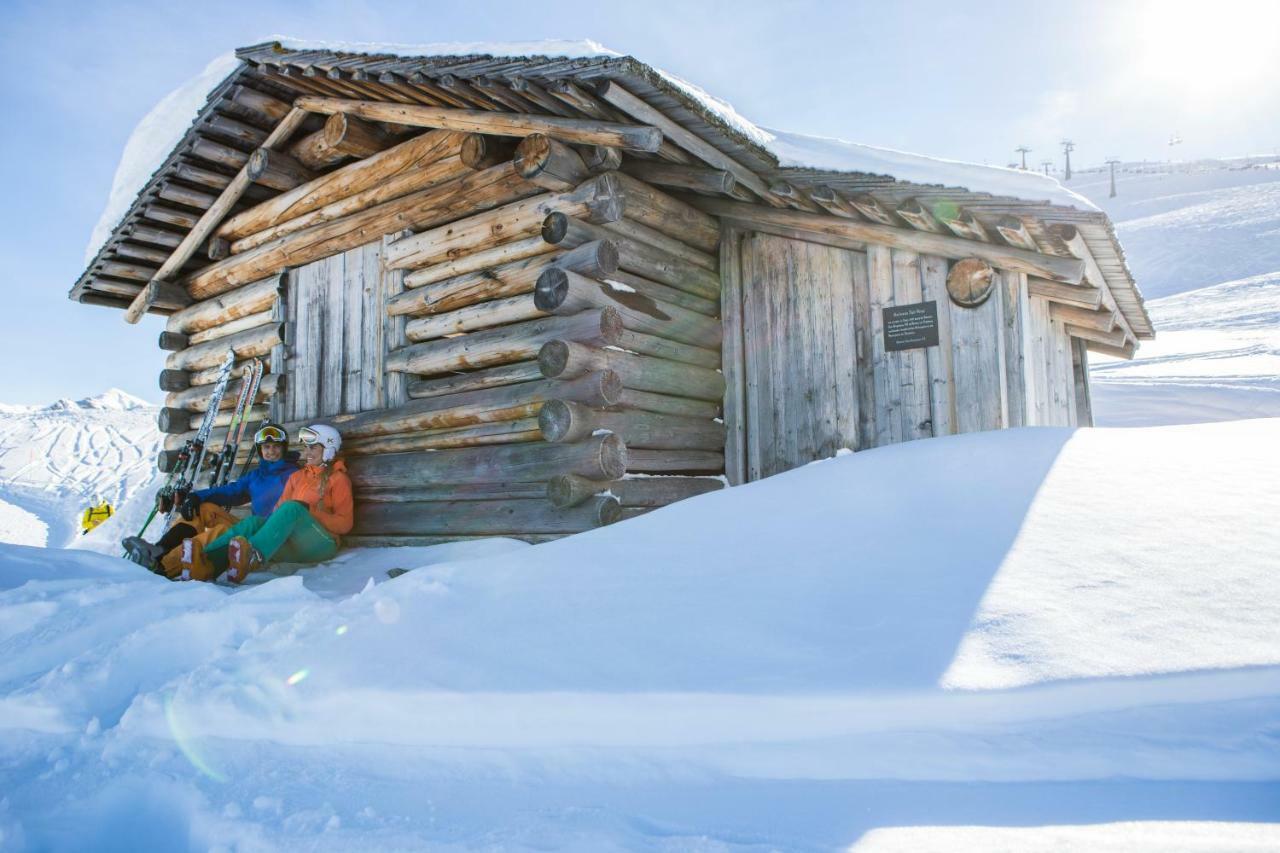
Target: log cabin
x=545, y=291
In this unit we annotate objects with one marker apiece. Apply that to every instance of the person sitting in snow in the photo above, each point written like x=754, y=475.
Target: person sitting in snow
x=315, y=509
x=204, y=513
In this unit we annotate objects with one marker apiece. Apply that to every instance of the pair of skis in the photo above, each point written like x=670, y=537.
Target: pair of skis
x=191, y=456
x=226, y=458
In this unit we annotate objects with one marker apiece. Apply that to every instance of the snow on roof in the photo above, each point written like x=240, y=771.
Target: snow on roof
x=795, y=150
x=161, y=129
x=156, y=135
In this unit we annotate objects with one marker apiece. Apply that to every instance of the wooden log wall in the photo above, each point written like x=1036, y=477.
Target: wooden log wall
x=571, y=334
x=477, y=318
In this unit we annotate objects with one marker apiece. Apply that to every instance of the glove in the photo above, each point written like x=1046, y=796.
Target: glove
x=164, y=502
x=189, y=507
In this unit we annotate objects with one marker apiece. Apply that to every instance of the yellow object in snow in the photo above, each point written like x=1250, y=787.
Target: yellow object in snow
x=95, y=515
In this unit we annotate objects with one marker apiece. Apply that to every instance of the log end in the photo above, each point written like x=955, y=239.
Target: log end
x=531, y=155
x=555, y=228
x=173, y=341
x=613, y=457
x=174, y=380
x=167, y=460
x=553, y=358
x=559, y=422
x=608, y=511
x=551, y=290
x=569, y=490
x=173, y=421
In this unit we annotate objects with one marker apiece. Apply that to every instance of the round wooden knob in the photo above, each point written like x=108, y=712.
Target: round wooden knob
x=970, y=282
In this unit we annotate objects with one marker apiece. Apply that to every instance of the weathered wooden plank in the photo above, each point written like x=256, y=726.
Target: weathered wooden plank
x=839, y=318
x=887, y=419
x=755, y=328
x=1039, y=393
x=395, y=390
x=732, y=355
x=353, y=333
x=977, y=347
x=492, y=518
x=332, y=331
x=1080, y=374
x=911, y=365
x=1013, y=290
x=942, y=399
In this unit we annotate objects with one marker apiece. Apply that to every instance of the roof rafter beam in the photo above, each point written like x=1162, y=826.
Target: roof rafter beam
x=580, y=131
x=1067, y=270
x=160, y=286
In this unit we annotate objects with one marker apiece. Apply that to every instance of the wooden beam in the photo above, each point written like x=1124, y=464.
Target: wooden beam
x=1116, y=338
x=962, y=224
x=1075, y=243
x=1068, y=270
x=918, y=217
x=695, y=145
x=1014, y=232
x=1126, y=352
x=1103, y=320
x=870, y=207
x=834, y=203
x=697, y=178
x=584, y=131
x=1081, y=296
x=209, y=221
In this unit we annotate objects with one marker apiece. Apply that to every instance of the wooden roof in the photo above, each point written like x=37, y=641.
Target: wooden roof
x=225, y=133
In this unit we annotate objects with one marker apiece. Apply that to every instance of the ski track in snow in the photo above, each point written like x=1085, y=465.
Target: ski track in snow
x=1204, y=244
x=53, y=461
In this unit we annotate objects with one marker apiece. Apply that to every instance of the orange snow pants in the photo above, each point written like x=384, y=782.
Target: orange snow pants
x=210, y=522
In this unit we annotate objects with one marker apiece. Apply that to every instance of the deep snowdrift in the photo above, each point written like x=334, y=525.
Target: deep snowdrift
x=1045, y=607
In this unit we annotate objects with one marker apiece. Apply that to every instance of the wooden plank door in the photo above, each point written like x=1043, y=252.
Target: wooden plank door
x=798, y=352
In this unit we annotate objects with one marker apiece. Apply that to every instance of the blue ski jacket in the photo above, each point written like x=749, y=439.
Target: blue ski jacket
x=262, y=486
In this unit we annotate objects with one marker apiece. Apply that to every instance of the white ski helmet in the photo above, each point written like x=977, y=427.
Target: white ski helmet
x=322, y=434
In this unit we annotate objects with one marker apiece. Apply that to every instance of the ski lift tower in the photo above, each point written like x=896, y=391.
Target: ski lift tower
x=1022, y=149
x=1112, y=161
x=1046, y=165
x=1067, y=147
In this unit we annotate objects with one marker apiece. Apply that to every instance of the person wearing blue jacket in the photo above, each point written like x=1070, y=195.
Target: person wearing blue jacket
x=204, y=512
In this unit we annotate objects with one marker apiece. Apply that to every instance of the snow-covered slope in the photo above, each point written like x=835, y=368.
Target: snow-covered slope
x=1004, y=640
x=55, y=459
x=1205, y=238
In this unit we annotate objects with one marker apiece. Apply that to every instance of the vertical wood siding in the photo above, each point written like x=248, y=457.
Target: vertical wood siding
x=343, y=335
x=807, y=371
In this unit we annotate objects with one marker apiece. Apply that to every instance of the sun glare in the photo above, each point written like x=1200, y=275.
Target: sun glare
x=1206, y=49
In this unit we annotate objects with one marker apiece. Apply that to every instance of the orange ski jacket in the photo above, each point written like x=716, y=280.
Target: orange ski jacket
x=335, y=507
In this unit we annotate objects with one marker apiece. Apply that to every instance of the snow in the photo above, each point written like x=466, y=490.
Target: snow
x=991, y=641
x=55, y=459
x=151, y=142
x=1205, y=235
x=160, y=131
x=795, y=150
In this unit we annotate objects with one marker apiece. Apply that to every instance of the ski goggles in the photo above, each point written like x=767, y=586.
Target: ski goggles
x=308, y=436
x=271, y=433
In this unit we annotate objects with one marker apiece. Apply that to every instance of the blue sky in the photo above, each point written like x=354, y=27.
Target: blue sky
x=963, y=81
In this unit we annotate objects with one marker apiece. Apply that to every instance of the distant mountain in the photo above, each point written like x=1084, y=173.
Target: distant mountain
x=55, y=459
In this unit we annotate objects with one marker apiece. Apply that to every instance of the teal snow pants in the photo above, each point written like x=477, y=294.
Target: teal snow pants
x=290, y=535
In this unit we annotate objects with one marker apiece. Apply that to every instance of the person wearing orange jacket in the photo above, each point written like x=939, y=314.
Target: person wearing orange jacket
x=314, y=511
